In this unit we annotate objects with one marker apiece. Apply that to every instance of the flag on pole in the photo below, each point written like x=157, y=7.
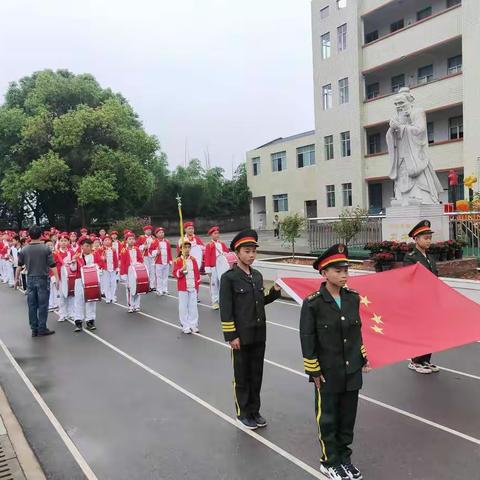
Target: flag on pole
x=405, y=312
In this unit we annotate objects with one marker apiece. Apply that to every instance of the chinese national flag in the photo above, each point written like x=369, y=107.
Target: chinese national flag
x=405, y=312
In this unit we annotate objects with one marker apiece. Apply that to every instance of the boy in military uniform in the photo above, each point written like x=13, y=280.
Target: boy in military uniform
x=242, y=311
x=422, y=234
x=334, y=357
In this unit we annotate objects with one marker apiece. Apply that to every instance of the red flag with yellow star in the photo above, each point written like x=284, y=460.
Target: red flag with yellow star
x=405, y=312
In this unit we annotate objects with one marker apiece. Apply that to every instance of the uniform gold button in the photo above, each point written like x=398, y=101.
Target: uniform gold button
x=344, y=340
x=346, y=363
x=342, y=318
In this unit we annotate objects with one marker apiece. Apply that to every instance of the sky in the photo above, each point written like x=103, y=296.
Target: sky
x=222, y=76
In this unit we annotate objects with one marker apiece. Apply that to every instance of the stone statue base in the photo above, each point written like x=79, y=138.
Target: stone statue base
x=400, y=220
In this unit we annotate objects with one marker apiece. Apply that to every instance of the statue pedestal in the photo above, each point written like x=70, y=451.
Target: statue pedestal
x=400, y=220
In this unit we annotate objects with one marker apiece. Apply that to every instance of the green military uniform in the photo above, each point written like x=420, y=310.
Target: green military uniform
x=332, y=346
x=242, y=312
x=416, y=256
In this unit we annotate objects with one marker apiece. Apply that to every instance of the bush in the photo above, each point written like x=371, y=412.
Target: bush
x=135, y=224
x=350, y=223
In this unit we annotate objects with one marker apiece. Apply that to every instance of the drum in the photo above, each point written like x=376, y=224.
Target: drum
x=222, y=265
x=138, y=282
x=91, y=283
x=67, y=282
x=197, y=253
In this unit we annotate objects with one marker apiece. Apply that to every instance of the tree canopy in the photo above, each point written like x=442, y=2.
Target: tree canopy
x=72, y=151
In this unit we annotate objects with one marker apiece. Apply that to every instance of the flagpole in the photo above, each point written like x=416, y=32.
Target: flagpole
x=182, y=233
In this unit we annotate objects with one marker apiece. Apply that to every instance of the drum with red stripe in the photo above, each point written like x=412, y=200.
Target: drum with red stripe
x=138, y=281
x=67, y=282
x=91, y=283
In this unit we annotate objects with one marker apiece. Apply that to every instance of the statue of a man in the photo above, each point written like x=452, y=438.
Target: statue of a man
x=415, y=179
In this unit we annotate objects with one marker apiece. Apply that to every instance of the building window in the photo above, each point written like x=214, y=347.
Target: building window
x=324, y=12
x=425, y=13
x=425, y=74
x=306, y=156
x=345, y=144
x=398, y=81
x=326, y=45
x=330, y=196
x=373, y=90
x=452, y=3
x=455, y=64
x=342, y=37
x=456, y=127
x=256, y=166
x=341, y=4
x=279, y=161
x=328, y=142
x=398, y=25
x=343, y=90
x=430, y=132
x=374, y=143
x=327, y=96
x=280, y=203
x=347, y=194
x=371, y=36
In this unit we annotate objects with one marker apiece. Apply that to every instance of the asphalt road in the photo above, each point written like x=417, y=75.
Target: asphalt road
x=137, y=399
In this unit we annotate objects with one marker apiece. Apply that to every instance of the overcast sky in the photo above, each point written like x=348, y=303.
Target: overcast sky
x=227, y=75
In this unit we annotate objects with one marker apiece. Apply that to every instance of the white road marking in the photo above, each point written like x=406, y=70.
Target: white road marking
x=296, y=461
x=469, y=375
x=82, y=463
x=302, y=374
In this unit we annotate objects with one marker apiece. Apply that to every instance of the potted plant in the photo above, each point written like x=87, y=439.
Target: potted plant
x=403, y=249
x=442, y=249
x=383, y=261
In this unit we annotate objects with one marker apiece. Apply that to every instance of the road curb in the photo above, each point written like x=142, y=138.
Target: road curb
x=25, y=456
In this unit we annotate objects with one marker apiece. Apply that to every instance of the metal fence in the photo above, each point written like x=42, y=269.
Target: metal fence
x=466, y=227
x=321, y=234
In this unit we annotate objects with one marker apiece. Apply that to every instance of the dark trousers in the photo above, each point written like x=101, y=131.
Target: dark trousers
x=335, y=414
x=422, y=358
x=38, y=293
x=247, y=382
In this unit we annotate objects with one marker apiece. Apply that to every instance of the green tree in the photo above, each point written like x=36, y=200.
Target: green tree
x=350, y=223
x=291, y=228
x=71, y=148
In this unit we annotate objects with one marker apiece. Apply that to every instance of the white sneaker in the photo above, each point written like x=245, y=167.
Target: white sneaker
x=61, y=319
x=431, y=366
x=136, y=309
x=187, y=330
x=130, y=310
x=195, y=330
x=419, y=368
x=215, y=306
x=334, y=473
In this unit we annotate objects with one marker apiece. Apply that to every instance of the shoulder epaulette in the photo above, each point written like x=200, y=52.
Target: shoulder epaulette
x=411, y=254
x=350, y=290
x=313, y=296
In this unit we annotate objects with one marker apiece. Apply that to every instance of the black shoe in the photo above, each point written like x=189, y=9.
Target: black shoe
x=34, y=333
x=352, y=471
x=259, y=420
x=46, y=332
x=91, y=325
x=248, y=422
x=78, y=326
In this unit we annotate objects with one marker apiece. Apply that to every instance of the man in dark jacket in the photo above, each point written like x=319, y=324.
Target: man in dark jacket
x=242, y=311
x=38, y=261
x=422, y=234
x=334, y=357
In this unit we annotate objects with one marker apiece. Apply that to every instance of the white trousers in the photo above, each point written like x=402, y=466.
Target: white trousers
x=188, y=309
x=66, y=307
x=10, y=273
x=133, y=301
x=150, y=265
x=161, y=276
x=53, y=300
x=3, y=270
x=109, y=283
x=215, y=285
x=83, y=310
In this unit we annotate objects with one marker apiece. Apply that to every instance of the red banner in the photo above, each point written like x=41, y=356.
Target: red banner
x=405, y=312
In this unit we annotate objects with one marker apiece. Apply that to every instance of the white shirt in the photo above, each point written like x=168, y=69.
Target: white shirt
x=89, y=259
x=162, y=246
x=109, y=259
x=190, y=275
x=133, y=256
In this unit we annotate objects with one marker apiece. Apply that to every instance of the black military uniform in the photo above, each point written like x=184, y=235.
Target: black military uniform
x=332, y=346
x=242, y=302
x=416, y=256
